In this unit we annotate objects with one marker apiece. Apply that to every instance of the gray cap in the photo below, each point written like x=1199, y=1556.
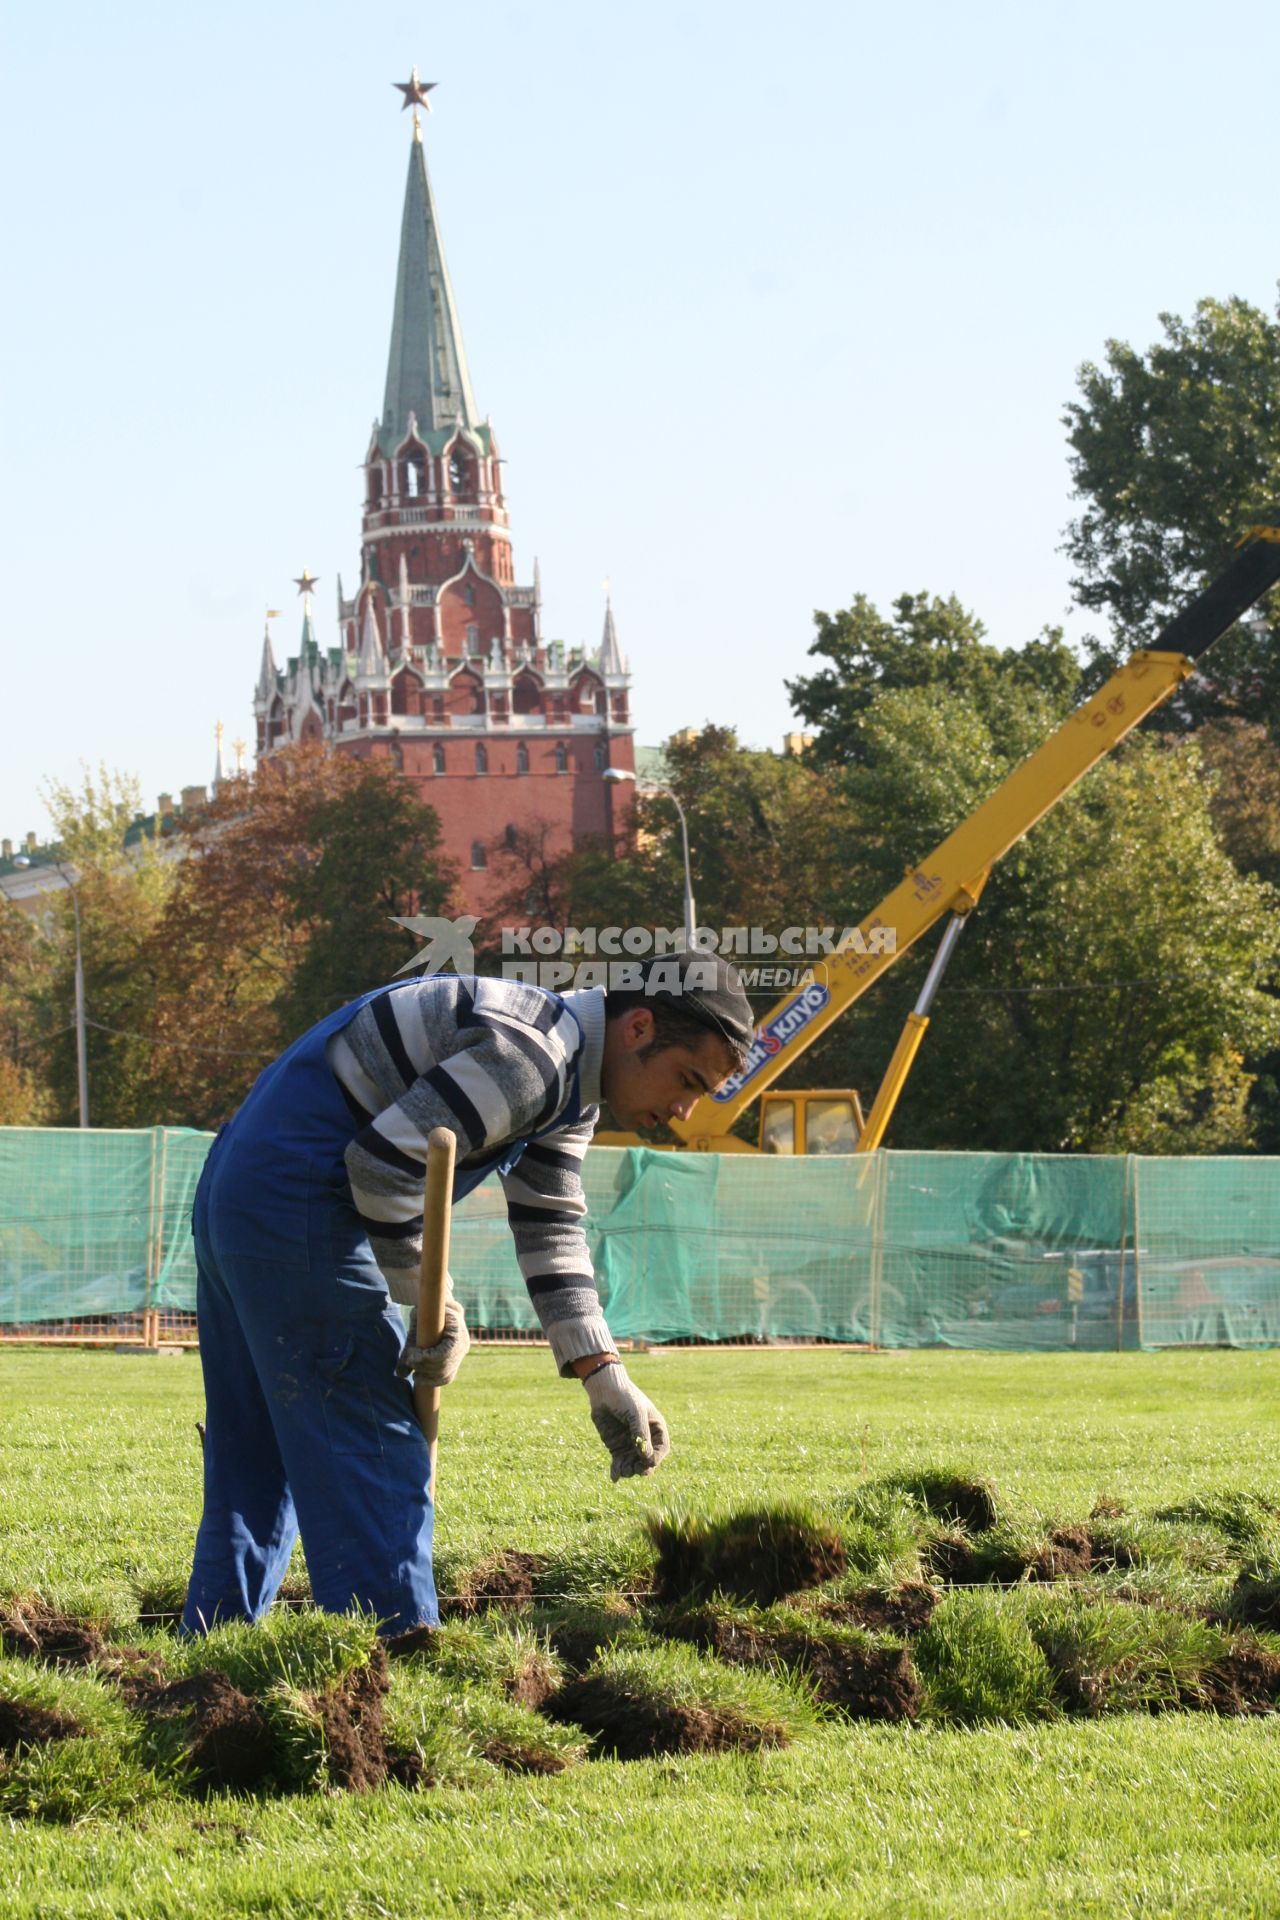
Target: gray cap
x=714, y=992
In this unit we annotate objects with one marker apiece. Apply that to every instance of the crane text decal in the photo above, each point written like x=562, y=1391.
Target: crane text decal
x=779, y=1033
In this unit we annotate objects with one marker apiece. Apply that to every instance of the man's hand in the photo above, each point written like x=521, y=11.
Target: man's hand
x=627, y=1421
x=436, y=1366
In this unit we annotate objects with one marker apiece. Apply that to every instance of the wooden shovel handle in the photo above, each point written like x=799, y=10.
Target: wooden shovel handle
x=437, y=1202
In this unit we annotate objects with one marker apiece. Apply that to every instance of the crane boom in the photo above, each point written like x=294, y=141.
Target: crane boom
x=950, y=879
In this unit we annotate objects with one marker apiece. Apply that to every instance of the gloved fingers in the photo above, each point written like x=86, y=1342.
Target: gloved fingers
x=437, y=1366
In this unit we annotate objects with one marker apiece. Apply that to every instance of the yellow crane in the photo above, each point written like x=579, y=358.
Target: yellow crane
x=950, y=882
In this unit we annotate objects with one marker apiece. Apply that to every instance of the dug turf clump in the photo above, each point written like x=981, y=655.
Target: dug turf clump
x=509, y=1580
x=636, y=1703
x=958, y=1499
x=38, y=1632
x=1108, y=1656
x=215, y=1734
x=846, y=1667
x=759, y=1555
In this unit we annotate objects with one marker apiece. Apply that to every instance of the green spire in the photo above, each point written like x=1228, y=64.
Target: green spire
x=427, y=369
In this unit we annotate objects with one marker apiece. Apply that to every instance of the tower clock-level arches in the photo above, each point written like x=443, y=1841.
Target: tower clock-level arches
x=412, y=469
x=465, y=695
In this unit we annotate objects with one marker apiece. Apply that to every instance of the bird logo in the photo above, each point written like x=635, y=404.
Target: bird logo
x=447, y=941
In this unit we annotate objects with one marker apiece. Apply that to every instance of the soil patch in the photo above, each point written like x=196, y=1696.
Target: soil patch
x=227, y=1740
x=351, y=1715
x=632, y=1726
x=1246, y=1680
x=906, y=1609
x=508, y=1580
x=1068, y=1555
x=29, y=1628
x=24, y=1726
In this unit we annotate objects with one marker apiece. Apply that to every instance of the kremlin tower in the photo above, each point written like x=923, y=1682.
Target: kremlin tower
x=441, y=662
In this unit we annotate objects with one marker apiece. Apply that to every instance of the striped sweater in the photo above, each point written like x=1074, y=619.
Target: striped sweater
x=493, y=1061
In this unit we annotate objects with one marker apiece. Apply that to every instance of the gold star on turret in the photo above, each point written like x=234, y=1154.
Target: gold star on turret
x=307, y=580
x=415, y=91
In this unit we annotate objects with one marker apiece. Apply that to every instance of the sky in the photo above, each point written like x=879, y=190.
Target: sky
x=769, y=307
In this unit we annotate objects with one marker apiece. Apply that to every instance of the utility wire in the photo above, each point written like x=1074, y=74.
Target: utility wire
x=179, y=1046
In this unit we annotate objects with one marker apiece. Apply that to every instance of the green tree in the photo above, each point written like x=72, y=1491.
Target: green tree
x=927, y=642
x=121, y=897
x=1114, y=977
x=1175, y=453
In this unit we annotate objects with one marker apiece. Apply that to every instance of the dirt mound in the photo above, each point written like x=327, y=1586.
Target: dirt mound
x=225, y=1738
x=962, y=1562
x=351, y=1715
x=29, y=1628
x=508, y=1580
x=1246, y=1680
x=632, y=1726
x=906, y=1609
x=22, y=1725
x=867, y=1683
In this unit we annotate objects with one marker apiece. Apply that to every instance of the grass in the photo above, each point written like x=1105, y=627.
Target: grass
x=1131, y=1815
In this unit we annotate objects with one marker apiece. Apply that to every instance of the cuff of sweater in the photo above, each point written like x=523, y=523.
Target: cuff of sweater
x=572, y=1340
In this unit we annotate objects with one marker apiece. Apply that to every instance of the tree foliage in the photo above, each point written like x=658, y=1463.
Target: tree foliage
x=927, y=642
x=1175, y=452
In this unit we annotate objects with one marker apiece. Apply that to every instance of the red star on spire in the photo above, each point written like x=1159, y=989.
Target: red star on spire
x=415, y=91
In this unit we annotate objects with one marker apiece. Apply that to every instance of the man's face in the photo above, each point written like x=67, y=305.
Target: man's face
x=646, y=1089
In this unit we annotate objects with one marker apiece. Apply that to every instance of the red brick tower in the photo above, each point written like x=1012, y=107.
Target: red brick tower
x=442, y=663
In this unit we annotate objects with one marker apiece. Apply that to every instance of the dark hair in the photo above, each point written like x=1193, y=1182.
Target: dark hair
x=676, y=1022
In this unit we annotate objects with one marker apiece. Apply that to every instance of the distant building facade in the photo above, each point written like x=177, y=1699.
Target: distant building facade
x=442, y=664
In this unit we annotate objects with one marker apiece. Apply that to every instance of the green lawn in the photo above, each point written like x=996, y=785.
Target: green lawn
x=1129, y=1815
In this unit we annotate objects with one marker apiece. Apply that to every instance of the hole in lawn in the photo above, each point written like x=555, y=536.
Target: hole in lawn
x=632, y=1726
x=1254, y=1601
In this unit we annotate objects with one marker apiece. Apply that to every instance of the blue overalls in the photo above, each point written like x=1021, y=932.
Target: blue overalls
x=307, y=1427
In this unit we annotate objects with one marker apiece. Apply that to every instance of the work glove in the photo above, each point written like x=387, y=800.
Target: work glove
x=627, y=1421
x=436, y=1366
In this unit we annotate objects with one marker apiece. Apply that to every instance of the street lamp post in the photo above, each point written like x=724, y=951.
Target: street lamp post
x=82, y=1059
x=615, y=775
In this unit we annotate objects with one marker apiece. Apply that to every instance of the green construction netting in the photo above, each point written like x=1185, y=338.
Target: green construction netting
x=898, y=1249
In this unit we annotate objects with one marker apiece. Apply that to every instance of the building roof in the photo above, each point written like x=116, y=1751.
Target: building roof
x=427, y=369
